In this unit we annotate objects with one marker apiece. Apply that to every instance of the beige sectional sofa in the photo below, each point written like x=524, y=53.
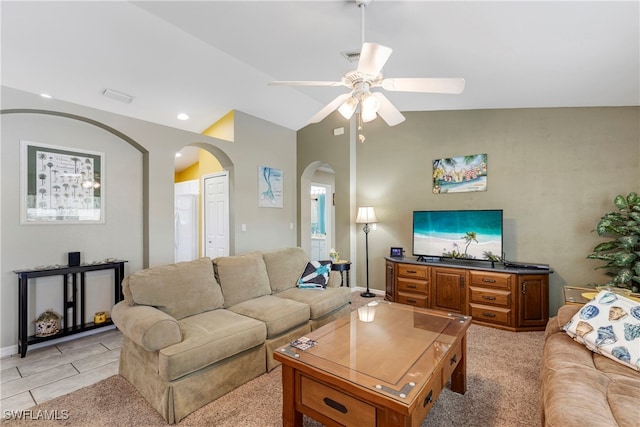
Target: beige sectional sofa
x=194, y=331
x=582, y=388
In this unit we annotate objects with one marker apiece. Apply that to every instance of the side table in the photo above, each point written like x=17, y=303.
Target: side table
x=73, y=301
x=344, y=267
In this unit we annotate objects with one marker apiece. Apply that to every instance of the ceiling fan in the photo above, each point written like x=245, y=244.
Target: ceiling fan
x=368, y=76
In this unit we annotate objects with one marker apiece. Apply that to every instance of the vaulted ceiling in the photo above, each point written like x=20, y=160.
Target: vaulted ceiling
x=206, y=58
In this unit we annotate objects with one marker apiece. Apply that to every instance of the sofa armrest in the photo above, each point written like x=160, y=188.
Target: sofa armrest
x=335, y=279
x=146, y=326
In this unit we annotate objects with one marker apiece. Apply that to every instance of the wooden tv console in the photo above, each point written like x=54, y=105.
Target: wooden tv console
x=511, y=298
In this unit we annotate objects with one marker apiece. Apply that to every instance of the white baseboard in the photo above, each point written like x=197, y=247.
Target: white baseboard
x=13, y=349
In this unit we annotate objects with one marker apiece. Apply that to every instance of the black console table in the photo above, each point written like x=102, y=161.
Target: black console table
x=69, y=326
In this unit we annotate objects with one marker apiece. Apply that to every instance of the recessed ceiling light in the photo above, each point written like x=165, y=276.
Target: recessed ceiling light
x=46, y=95
x=178, y=154
x=183, y=116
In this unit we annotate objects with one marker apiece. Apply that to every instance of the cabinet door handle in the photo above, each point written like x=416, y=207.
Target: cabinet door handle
x=489, y=297
x=411, y=271
x=412, y=301
x=524, y=288
x=491, y=315
x=484, y=279
x=411, y=286
x=453, y=360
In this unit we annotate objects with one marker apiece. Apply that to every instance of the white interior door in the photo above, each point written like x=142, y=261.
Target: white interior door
x=216, y=214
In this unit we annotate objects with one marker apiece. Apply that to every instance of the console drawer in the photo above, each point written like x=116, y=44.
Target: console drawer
x=340, y=407
x=490, y=296
x=412, y=299
x=500, y=316
x=413, y=271
x=411, y=285
x=486, y=278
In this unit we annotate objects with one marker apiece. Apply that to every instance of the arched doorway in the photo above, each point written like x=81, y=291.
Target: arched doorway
x=203, y=202
x=317, y=210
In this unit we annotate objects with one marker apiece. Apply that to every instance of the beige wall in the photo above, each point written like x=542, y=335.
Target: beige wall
x=140, y=206
x=554, y=172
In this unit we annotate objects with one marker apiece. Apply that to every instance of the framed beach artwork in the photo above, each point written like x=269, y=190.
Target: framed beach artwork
x=60, y=185
x=460, y=174
x=269, y=187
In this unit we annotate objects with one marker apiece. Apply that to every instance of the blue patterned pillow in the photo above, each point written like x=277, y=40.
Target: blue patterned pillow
x=610, y=325
x=315, y=275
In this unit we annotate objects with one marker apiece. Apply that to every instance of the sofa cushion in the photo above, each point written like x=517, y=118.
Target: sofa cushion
x=278, y=314
x=610, y=325
x=284, y=267
x=180, y=290
x=320, y=301
x=315, y=275
x=208, y=338
x=242, y=277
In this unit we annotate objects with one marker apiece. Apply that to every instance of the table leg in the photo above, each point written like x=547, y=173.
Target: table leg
x=290, y=417
x=459, y=374
x=22, y=315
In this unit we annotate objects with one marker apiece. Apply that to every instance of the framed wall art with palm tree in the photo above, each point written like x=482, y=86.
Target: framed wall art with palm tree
x=61, y=185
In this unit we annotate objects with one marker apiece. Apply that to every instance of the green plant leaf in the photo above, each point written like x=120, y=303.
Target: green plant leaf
x=628, y=242
x=633, y=198
x=606, y=246
x=625, y=275
x=621, y=202
x=624, y=259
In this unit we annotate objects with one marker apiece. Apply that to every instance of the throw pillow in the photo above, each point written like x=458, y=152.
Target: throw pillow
x=315, y=275
x=609, y=324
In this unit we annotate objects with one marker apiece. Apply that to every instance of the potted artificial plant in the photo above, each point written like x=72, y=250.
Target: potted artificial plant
x=622, y=252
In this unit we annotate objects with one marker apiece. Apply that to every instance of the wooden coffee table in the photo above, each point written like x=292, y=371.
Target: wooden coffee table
x=387, y=372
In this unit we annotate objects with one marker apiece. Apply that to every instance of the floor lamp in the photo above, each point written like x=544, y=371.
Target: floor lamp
x=366, y=216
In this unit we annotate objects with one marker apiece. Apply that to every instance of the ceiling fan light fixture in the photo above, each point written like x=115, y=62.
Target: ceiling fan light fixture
x=348, y=107
x=370, y=103
x=368, y=115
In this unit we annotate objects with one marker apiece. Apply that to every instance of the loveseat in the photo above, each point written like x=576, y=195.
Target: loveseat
x=583, y=388
x=196, y=330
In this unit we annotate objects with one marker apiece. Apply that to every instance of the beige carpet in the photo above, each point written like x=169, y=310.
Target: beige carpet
x=502, y=390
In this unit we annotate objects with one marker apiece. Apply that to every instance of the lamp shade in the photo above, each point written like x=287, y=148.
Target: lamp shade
x=366, y=215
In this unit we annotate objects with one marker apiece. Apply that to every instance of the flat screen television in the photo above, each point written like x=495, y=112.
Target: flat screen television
x=460, y=234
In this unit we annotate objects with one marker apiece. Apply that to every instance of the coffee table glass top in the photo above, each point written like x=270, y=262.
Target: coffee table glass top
x=394, y=354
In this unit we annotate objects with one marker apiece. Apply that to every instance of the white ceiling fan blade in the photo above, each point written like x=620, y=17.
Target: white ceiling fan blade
x=329, y=108
x=305, y=83
x=388, y=111
x=427, y=85
x=372, y=58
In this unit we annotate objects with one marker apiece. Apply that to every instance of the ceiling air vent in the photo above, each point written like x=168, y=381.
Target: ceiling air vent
x=118, y=96
x=351, y=55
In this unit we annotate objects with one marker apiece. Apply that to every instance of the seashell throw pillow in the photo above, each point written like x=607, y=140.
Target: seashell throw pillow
x=609, y=324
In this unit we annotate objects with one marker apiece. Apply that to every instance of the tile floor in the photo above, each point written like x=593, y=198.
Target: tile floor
x=48, y=372
x=52, y=371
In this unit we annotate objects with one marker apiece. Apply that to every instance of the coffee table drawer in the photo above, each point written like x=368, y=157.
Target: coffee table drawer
x=427, y=398
x=340, y=407
x=451, y=362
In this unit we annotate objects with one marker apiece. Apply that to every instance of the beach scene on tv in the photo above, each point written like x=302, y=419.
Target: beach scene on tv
x=458, y=234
